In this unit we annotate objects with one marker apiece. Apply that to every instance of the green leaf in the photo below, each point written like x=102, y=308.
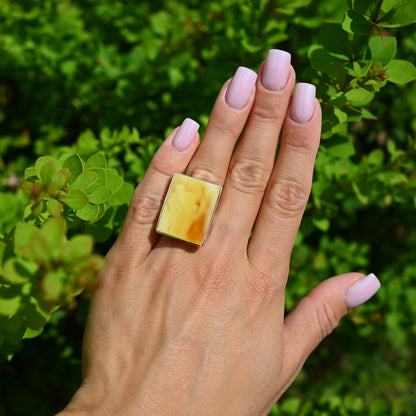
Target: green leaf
x=356, y=23
x=338, y=73
x=53, y=231
x=161, y=22
x=37, y=208
x=61, y=178
x=54, y=207
x=50, y=164
x=32, y=333
x=79, y=246
x=340, y=115
x=18, y=271
x=39, y=249
x=338, y=100
x=376, y=157
x=2, y=250
x=402, y=14
x=89, y=212
x=75, y=198
x=75, y=165
x=333, y=38
x=87, y=144
x=291, y=406
x=23, y=235
x=341, y=147
x=30, y=172
x=362, y=198
x=28, y=186
x=10, y=300
x=53, y=285
x=122, y=196
x=322, y=224
x=359, y=96
x=34, y=317
x=100, y=195
x=400, y=71
x=367, y=114
x=85, y=180
x=102, y=176
x=114, y=181
x=379, y=407
x=321, y=60
x=97, y=160
x=361, y=6
x=383, y=49
x=357, y=69
x=11, y=324
x=47, y=172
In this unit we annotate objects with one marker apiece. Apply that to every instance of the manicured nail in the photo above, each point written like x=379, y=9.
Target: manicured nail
x=241, y=87
x=185, y=135
x=303, y=102
x=276, y=70
x=361, y=291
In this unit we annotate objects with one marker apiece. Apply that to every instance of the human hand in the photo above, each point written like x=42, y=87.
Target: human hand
x=181, y=330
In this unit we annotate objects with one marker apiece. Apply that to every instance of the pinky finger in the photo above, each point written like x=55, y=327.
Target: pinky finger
x=138, y=235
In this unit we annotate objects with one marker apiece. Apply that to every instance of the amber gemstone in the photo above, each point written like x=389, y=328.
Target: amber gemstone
x=188, y=209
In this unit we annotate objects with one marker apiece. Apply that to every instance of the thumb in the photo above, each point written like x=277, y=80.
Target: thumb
x=319, y=313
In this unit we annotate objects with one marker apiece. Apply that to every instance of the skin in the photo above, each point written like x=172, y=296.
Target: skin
x=180, y=330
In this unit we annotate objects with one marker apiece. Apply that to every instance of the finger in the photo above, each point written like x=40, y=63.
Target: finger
x=319, y=313
x=254, y=157
x=138, y=234
x=289, y=186
x=227, y=119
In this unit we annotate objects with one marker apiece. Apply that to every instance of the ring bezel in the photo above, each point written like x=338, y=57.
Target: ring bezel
x=186, y=228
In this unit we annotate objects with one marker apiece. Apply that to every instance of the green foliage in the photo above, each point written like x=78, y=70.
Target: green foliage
x=41, y=268
x=72, y=74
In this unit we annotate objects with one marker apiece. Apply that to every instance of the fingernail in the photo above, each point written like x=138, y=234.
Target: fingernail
x=185, y=135
x=241, y=87
x=276, y=70
x=303, y=102
x=361, y=291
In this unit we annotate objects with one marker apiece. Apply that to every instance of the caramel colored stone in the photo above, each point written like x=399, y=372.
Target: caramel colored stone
x=188, y=209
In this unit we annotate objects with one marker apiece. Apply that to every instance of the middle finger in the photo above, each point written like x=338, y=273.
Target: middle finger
x=253, y=160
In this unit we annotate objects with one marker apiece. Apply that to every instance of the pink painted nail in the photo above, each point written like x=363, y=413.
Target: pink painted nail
x=276, y=70
x=241, y=87
x=303, y=102
x=185, y=135
x=361, y=291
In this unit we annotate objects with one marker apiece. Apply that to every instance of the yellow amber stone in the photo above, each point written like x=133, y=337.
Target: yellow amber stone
x=188, y=209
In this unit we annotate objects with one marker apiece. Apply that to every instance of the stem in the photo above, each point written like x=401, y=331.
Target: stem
x=377, y=11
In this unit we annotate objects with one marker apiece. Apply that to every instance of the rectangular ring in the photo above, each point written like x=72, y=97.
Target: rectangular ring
x=188, y=209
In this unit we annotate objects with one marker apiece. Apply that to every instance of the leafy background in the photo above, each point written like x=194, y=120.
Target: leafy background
x=89, y=89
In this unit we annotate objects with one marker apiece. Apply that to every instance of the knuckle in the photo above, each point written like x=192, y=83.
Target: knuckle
x=267, y=112
x=144, y=208
x=216, y=276
x=301, y=144
x=264, y=286
x=287, y=197
x=248, y=176
x=205, y=173
x=224, y=124
x=326, y=317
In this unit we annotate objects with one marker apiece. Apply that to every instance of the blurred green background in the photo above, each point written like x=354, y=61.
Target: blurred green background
x=116, y=76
